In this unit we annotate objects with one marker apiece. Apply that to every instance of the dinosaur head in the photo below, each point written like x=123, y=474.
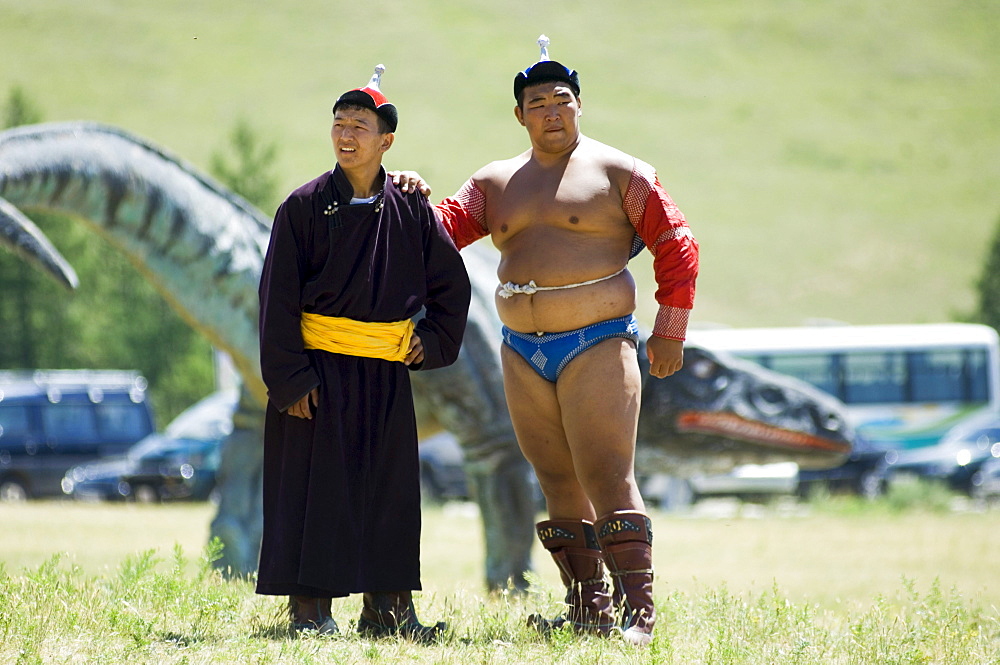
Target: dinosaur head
x=732, y=412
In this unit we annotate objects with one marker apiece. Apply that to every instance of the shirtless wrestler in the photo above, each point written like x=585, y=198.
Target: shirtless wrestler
x=566, y=216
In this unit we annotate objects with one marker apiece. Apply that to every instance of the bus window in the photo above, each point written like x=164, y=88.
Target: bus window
x=937, y=375
x=977, y=376
x=821, y=370
x=874, y=378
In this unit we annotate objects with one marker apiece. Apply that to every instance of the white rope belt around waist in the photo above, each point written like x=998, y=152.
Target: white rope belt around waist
x=510, y=288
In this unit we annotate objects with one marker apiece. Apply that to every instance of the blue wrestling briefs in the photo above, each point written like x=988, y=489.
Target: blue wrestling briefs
x=549, y=353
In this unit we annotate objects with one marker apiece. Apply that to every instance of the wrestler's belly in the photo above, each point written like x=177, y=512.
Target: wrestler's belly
x=568, y=309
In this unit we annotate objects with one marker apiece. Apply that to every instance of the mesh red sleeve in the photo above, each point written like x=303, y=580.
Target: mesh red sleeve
x=663, y=229
x=464, y=214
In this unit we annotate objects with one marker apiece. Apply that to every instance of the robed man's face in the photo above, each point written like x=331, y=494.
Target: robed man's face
x=357, y=142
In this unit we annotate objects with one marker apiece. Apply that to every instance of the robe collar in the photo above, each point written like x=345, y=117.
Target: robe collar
x=338, y=192
x=343, y=192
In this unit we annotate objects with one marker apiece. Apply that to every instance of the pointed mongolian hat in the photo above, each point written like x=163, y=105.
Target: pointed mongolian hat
x=545, y=71
x=371, y=97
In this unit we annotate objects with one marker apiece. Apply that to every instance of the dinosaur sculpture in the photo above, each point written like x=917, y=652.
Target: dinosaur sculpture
x=203, y=247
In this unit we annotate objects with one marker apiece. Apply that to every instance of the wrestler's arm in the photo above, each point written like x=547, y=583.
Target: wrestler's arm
x=463, y=215
x=666, y=234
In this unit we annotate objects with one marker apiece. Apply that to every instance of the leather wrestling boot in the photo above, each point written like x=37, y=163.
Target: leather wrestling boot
x=573, y=546
x=311, y=614
x=626, y=538
x=391, y=613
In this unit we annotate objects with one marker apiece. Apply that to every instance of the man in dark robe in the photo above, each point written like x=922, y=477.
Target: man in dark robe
x=351, y=260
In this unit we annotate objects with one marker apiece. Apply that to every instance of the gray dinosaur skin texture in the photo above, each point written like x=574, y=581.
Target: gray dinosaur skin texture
x=203, y=247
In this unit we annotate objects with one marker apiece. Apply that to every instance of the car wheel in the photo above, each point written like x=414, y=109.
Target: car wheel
x=13, y=491
x=145, y=494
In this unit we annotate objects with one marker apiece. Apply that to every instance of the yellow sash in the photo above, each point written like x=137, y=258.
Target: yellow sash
x=389, y=341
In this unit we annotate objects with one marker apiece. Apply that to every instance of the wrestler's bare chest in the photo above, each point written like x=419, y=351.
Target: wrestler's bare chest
x=578, y=198
x=561, y=226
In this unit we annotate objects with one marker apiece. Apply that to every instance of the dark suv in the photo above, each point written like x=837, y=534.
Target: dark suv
x=53, y=420
x=179, y=463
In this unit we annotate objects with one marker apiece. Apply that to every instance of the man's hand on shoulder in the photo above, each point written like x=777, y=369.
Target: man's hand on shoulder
x=410, y=181
x=666, y=356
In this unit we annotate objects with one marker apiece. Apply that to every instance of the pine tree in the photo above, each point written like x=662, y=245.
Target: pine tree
x=251, y=176
x=989, y=285
x=19, y=280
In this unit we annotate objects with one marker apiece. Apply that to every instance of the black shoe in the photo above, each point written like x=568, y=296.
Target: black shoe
x=327, y=627
x=414, y=630
x=388, y=614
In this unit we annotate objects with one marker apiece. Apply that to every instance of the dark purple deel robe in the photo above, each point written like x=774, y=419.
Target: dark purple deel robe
x=341, y=491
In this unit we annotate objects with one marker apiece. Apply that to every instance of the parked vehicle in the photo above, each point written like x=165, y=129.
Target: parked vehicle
x=903, y=385
x=860, y=474
x=957, y=460
x=179, y=463
x=748, y=482
x=988, y=487
x=53, y=420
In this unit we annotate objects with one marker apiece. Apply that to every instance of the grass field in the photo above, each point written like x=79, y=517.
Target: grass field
x=98, y=583
x=836, y=160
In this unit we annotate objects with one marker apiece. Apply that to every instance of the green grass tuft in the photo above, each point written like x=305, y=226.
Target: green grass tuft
x=170, y=617
x=816, y=587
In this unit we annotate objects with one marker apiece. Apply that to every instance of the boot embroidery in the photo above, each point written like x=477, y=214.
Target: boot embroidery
x=618, y=525
x=547, y=533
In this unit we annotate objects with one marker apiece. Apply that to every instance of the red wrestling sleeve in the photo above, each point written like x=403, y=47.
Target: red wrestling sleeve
x=464, y=214
x=662, y=227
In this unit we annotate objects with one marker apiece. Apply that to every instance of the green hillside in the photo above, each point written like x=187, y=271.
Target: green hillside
x=836, y=160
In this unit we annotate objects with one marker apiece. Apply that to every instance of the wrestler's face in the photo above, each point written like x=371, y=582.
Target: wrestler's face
x=357, y=142
x=551, y=114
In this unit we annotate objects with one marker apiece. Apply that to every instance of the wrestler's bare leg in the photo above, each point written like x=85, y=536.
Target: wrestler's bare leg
x=537, y=419
x=579, y=434
x=599, y=394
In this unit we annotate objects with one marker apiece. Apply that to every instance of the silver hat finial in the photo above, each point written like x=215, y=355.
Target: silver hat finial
x=376, y=78
x=543, y=42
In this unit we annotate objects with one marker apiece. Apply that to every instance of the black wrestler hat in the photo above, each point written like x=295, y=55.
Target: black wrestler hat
x=371, y=97
x=544, y=71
